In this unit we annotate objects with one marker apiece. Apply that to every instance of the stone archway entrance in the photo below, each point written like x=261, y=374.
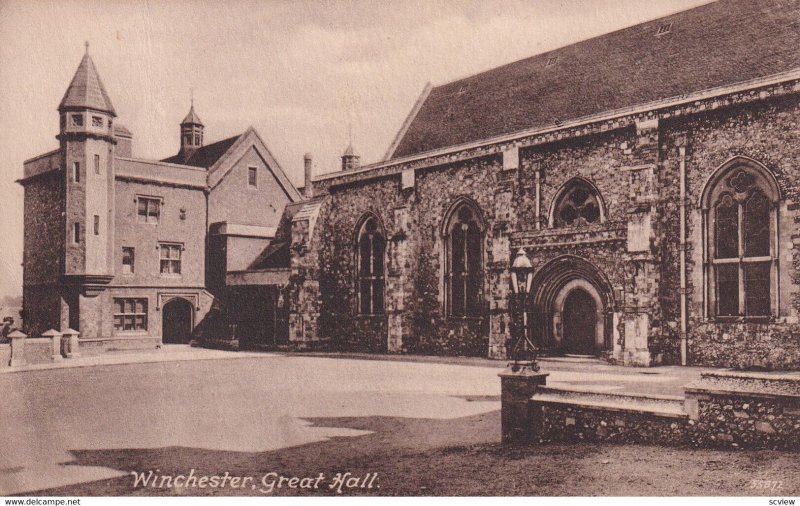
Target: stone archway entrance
x=571, y=308
x=176, y=326
x=580, y=323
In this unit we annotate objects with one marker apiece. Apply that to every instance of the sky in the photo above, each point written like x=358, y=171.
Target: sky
x=303, y=73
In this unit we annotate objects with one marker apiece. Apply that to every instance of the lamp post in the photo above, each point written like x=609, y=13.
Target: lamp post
x=521, y=280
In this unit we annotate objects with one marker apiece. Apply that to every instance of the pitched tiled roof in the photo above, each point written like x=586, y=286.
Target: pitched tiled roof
x=277, y=253
x=205, y=156
x=718, y=44
x=86, y=91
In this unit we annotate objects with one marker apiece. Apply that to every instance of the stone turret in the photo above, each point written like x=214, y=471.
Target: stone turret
x=87, y=148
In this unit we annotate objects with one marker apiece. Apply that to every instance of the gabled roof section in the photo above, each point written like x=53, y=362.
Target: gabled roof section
x=714, y=45
x=277, y=254
x=207, y=155
x=236, y=150
x=86, y=91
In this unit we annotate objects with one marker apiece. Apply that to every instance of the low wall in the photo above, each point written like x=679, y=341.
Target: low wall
x=5, y=355
x=39, y=350
x=100, y=346
x=721, y=410
x=752, y=410
x=565, y=423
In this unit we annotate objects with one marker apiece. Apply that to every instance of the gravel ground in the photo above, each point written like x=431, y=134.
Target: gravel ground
x=456, y=457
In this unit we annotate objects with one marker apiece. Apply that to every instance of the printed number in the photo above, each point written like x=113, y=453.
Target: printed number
x=766, y=484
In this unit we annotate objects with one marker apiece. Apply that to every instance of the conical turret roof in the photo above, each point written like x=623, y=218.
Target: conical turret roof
x=349, y=151
x=192, y=118
x=86, y=91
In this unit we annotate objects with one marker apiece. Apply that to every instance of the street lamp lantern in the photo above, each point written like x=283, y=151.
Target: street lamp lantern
x=521, y=281
x=521, y=270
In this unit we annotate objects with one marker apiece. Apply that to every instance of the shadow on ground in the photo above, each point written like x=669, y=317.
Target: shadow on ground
x=452, y=457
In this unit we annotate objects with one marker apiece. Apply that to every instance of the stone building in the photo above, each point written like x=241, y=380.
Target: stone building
x=650, y=174
x=133, y=252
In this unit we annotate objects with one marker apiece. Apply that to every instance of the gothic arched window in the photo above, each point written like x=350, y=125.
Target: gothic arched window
x=578, y=204
x=464, y=266
x=370, y=253
x=740, y=203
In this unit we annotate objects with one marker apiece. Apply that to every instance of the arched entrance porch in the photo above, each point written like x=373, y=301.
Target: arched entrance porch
x=571, y=308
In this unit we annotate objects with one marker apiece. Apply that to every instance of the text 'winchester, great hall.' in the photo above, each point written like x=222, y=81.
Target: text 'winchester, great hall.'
x=649, y=174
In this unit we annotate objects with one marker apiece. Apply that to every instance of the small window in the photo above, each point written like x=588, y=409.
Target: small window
x=97, y=164
x=170, y=258
x=187, y=139
x=77, y=120
x=196, y=139
x=130, y=315
x=96, y=225
x=128, y=259
x=576, y=206
x=252, y=176
x=664, y=29
x=552, y=61
x=76, y=172
x=97, y=121
x=76, y=233
x=148, y=209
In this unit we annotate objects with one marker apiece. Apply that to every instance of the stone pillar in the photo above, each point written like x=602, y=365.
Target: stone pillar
x=500, y=255
x=71, y=343
x=398, y=283
x=518, y=422
x=304, y=264
x=55, y=344
x=17, y=348
x=643, y=266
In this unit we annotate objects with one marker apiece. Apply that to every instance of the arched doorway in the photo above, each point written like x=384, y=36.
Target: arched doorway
x=580, y=323
x=571, y=308
x=176, y=327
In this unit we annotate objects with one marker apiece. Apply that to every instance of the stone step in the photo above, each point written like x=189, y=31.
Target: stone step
x=669, y=406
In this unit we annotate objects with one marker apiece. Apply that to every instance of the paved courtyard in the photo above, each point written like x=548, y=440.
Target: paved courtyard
x=81, y=431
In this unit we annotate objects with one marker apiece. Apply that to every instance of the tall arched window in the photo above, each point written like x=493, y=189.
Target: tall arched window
x=370, y=252
x=578, y=203
x=464, y=265
x=741, y=252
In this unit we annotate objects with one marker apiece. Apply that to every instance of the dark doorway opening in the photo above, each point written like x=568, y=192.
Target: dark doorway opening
x=580, y=323
x=258, y=316
x=177, y=322
x=73, y=307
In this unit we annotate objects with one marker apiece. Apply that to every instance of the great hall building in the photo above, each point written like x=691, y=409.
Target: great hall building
x=650, y=175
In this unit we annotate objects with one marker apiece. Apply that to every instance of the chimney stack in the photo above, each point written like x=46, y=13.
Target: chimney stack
x=308, y=189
